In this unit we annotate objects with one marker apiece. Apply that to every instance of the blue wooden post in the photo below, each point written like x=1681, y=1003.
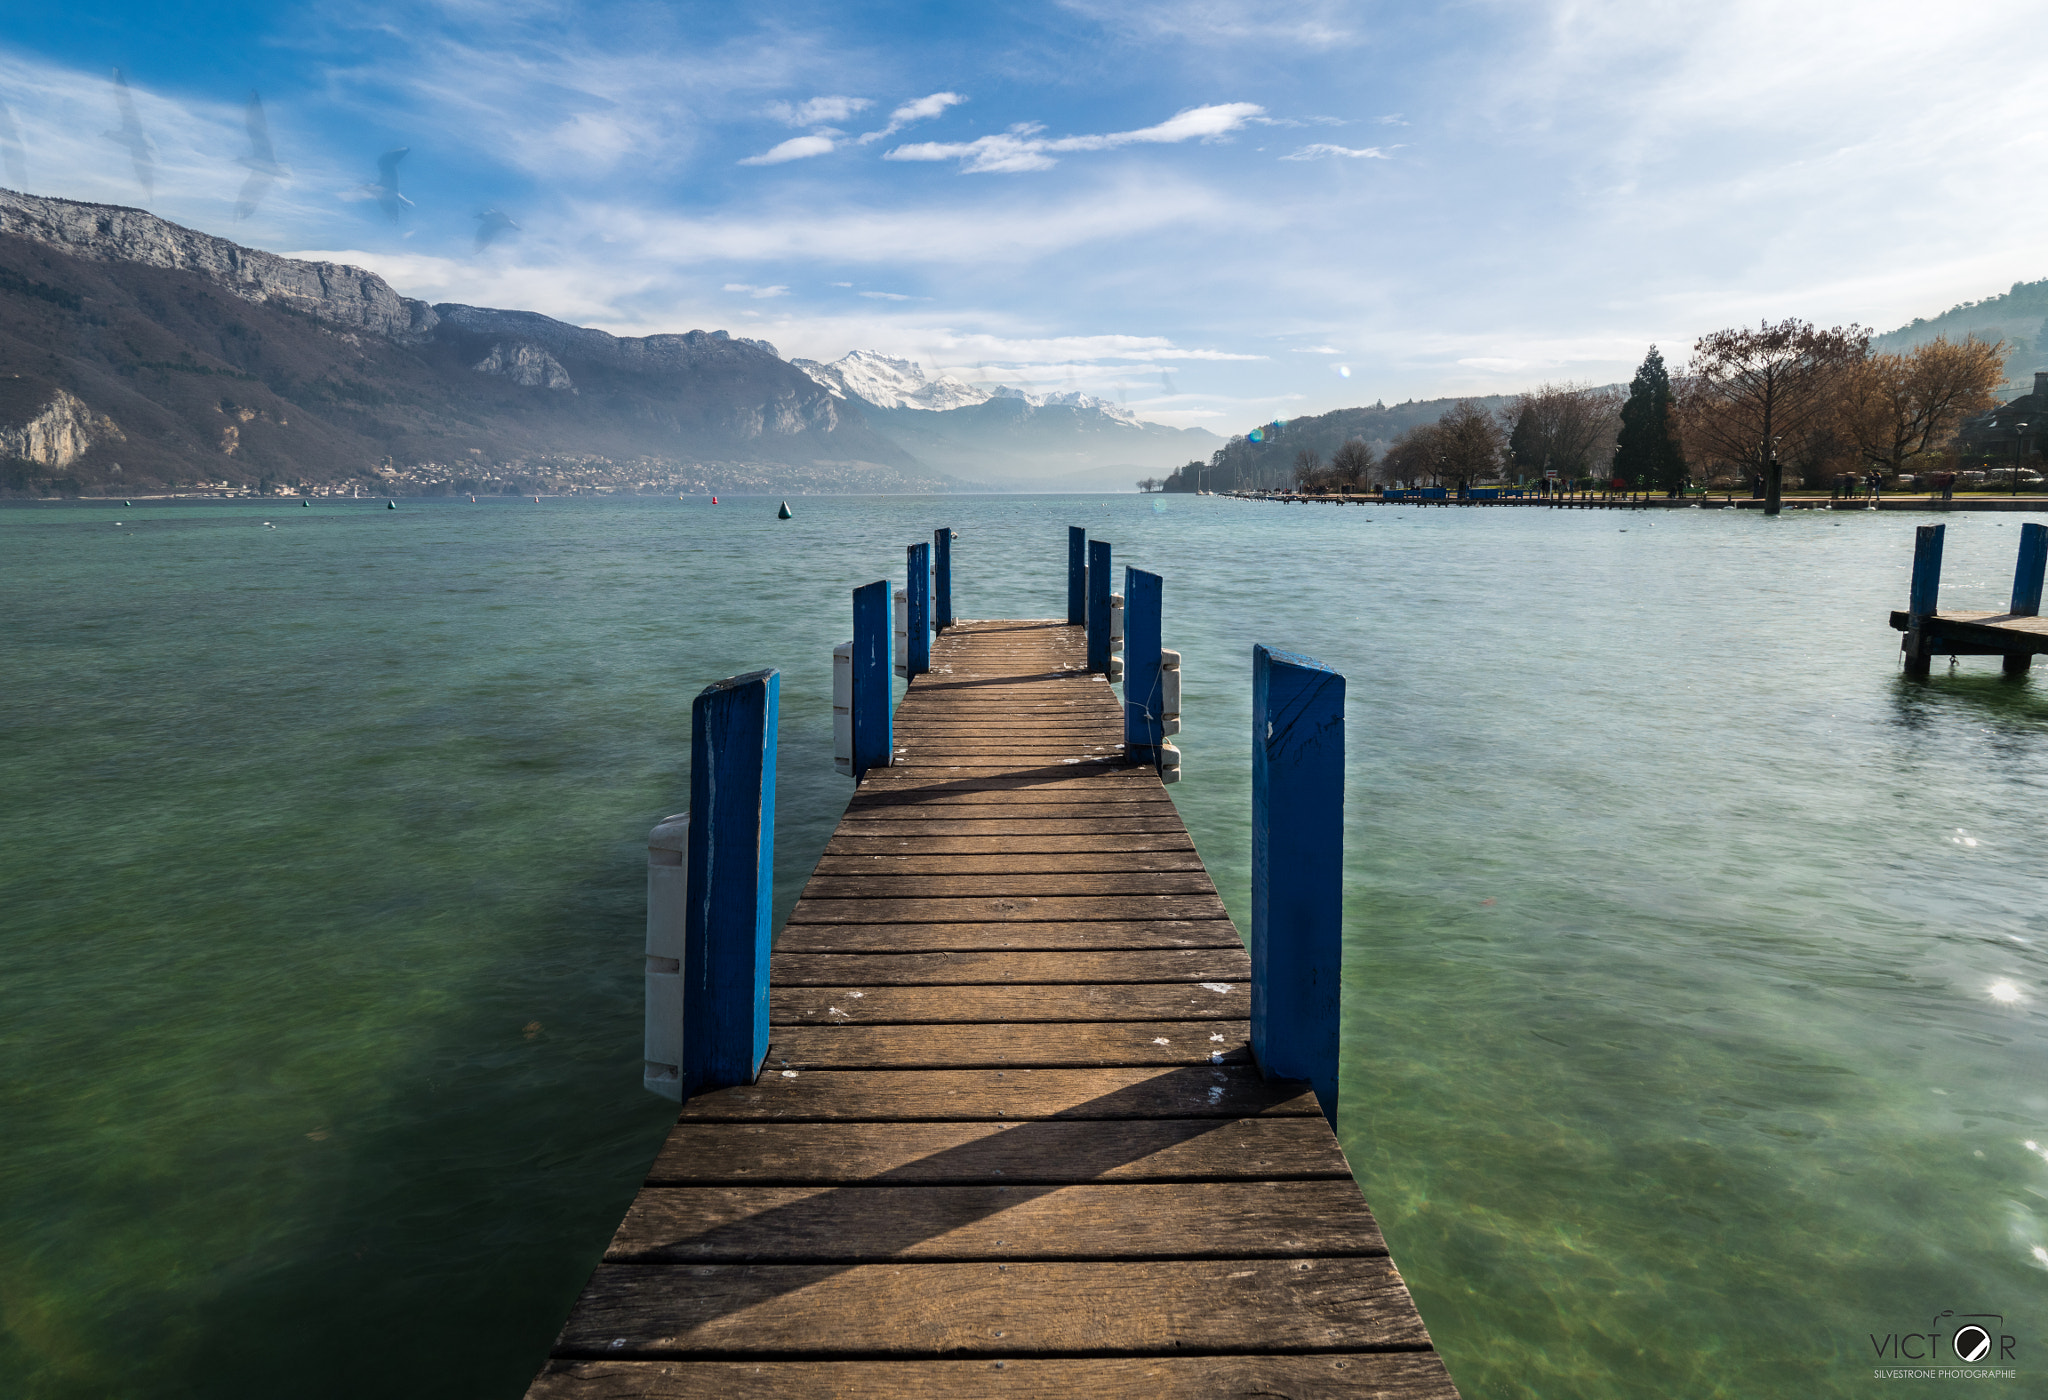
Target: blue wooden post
x=2026, y=578
x=1926, y=569
x=1919, y=640
x=1098, y=606
x=1297, y=869
x=918, y=646
x=1142, y=685
x=2026, y=589
x=726, y=930
x=1077, y=576
x=874, y=738
x=942, y=579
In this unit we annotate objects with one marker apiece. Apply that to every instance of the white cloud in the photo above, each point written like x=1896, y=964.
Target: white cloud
x=818, y=109
x=892, y=296
x=1317, y=350
x=1321, y=149
x=757, y=292
x=1021, y=148
x=1315, y=24
x=795, y=148
x=977, y=236
x=917, y=110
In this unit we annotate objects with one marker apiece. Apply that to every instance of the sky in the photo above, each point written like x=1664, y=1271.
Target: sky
x=1216, y=212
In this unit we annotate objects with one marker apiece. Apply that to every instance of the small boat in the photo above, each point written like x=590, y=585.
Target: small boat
x=783, y=514
x=391, y=505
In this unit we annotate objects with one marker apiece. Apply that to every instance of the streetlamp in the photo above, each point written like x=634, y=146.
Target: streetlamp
x=2019, y=452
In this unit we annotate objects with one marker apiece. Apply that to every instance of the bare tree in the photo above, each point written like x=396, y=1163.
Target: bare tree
x=1470, y=444
x=1351, y=465
x=1414, y=455
x=1898, y=406
x=1566, y=428
x=1308, y=466
x=1750, y=389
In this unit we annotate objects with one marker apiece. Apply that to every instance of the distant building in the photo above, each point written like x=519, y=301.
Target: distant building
x=2012, y=431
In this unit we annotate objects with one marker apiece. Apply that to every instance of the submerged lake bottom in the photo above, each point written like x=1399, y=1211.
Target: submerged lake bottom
x=1693, y=980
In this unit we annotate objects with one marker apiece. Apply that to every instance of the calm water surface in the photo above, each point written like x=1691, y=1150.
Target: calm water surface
x=1695, y=960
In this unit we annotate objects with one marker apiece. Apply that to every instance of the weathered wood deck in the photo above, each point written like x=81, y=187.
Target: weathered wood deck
x=1981, y=633
x=1008, y=1140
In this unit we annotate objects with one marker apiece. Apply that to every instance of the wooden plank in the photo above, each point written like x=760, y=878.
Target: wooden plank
x=1035, y=937
x=999, y=858
x=1221, y=1091
x=1058, y=785
x=1012, y=821
x=1102, y=845
x=1069, y=883
x=1159, y=1149
x=1076, y=1045
x=955, y=969
x=1018, y=907
x=1392, y=1375
x=903, y=1006
x=874, y=1224
x=1047, y=1309
x=1092, y=795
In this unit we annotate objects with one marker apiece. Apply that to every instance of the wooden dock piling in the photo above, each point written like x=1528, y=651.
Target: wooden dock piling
x=1297, y=945
x=1009, y=1139
x=872, y=737
x=727, y=929
x=1099, y=589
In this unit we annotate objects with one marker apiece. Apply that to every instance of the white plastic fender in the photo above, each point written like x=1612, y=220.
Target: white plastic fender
x=668, y=898
x=1116, y=669
x=1116, y=622
x=1169, y=764
x=1169, y=691
x=842, y=708
x=902, y=643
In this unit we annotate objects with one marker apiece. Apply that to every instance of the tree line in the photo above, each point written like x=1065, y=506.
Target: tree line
x=1785, y=401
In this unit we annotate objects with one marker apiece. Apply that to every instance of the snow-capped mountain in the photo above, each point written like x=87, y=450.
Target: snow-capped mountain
x=1001, y=435
x=887, y=382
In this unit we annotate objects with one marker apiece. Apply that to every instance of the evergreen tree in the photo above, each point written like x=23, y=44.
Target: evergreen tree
x=1525, y=449
x=1647, y=453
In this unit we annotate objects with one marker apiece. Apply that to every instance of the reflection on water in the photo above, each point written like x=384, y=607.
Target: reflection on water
x=1694, y=957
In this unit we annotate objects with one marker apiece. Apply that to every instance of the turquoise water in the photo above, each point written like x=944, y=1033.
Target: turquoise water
x=1694, y=959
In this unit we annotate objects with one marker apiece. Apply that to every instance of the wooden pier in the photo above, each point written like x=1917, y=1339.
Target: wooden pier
x=2018, y=634
x=1009, y=1139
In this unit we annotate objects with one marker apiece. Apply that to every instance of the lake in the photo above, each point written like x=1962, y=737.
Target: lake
x=1694, y=959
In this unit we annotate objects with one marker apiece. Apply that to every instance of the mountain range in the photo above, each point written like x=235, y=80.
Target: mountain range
x=1003, y=436
x=138, y=355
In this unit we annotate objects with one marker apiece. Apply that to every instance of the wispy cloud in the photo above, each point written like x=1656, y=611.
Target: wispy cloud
x=1315, y=24
x=892, y=296
x=1021, y=148
x=757, y=293
x=921, y=109
x=1321, y=149
x=796, y=148
x=818, y=109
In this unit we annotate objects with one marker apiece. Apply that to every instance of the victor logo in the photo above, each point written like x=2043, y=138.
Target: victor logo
x=1971, y=1337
